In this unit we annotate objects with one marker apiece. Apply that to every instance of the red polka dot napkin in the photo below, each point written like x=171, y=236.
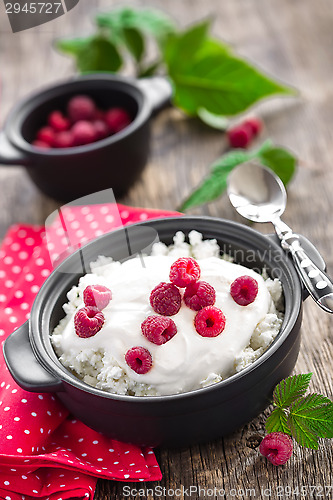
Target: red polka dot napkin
x=44, y=452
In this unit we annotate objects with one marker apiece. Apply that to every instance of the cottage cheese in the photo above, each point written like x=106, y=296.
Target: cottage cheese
x=186, y=362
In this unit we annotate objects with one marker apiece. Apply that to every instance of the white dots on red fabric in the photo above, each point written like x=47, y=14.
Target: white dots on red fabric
x=9, y=437
x=2, y=273
x=17, y=419
x=45, y=273
x=29, y=277
x=50, y=245
x=40, y=261
x=94, y=225
x=8, y=310
x=95, y=442
x=7, y=408
x=22, y=233
x=40, y=396
x=143, y=216
x=17, y=270
x=83, y=454
x=100, y=460
x=80, y=440
x=15, y=247
x=6, y=483
x=30, y=242
x=126, y=452
x=124, y=214
x=111, y=450
x=99, y=232
x=24, y=306
x=49, y=413
x=13, y=319
x=3, y=298
x=126, y=476
x=34, y=491
x=75, y=224
x=8, y=260
x=24, y=477
x=2, y=333
x=18, y=294
x=24, y=400
x=14, y=391
x=89, y=217
x=19, y=450
x=35, y=289
x=26, y=431
x=34, y=414
x=85, y=210
x=23, y=255
x=109, y=219
x=9, y=284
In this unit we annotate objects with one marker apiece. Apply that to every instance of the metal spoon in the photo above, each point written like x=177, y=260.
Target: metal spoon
x=259, y=195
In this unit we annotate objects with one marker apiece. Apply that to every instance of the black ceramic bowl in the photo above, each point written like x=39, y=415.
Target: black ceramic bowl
x=115, y=162
x=179, y=419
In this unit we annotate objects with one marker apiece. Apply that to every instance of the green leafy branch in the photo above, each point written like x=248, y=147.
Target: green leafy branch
x=280, y=160
x=209, y=80
x=304, y=417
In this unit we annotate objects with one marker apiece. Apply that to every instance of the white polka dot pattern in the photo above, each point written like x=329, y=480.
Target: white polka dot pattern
x=36, y=431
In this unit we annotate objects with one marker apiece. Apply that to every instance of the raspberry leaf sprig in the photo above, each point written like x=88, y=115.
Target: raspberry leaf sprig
x=278, y=159
x=304, y=417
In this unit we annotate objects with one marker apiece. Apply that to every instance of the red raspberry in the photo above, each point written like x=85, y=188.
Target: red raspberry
x=117, y=119
x=209, y=322
x=58, y=121
x=88, y=321
x=277, y=447
x=64, y=140
x=158, y=329
x=46, y=134
x=83, y=133
x=240, y=136
x=198, y=295
x=255, y=125
x=165, y=299
x=184, y=271
x=139, y=359
x=41, y=144
x=101, y=129
x=244, y=290
x=81, y=107
x=97, y=296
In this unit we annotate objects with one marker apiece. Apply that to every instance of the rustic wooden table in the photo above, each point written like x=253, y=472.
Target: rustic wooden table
x=292, y=41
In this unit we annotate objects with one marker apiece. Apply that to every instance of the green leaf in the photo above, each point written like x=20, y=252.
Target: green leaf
x=213, y=186
x=281, y=161
x=212, y=77
x=290, y=389
x=277, y=422
x=310, y=418
x=147, y=20
x=179, y=49
x=134, y=42
x=99, y=55
x=73, y=45
x=215, y=121
x=149, y=70
x=95, y=53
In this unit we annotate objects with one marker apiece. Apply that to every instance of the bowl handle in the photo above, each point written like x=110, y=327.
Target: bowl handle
x=158, y=91
x=9, y=155
x=311, y=250
x=23, y=365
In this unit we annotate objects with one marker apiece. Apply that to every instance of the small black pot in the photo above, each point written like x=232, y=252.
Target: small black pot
x=115, y=162
x=179, y=419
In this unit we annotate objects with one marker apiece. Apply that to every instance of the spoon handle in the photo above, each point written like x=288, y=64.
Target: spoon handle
x=318, y=284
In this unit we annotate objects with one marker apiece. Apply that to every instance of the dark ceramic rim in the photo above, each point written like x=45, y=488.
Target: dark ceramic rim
x=53, y=365
x=27, y=105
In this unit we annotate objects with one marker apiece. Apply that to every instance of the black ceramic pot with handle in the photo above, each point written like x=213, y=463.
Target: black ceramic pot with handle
x=178, y=419
x=115, y=162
